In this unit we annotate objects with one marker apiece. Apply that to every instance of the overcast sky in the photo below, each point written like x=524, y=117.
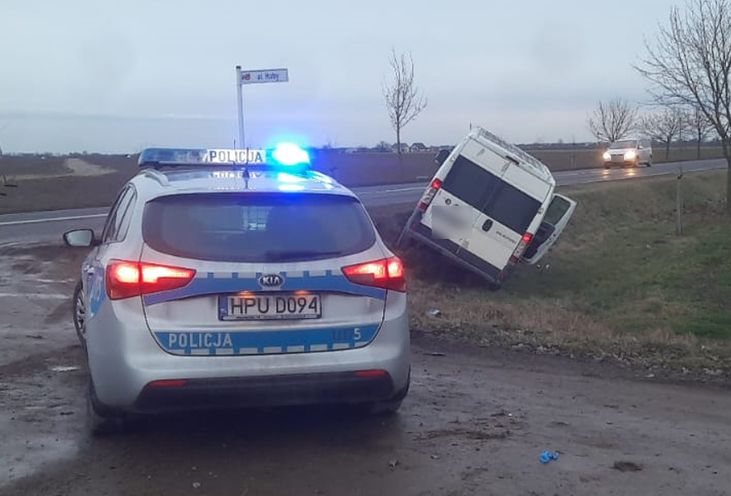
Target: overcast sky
x=108, y=76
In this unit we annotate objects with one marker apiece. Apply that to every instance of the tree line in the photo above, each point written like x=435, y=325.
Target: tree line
x=688, y=66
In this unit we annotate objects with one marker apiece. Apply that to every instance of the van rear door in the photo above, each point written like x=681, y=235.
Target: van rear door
x=557, y=216
x=494, y=211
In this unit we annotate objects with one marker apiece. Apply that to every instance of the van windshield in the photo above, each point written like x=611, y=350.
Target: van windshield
x=491, y=195
x=618, y=145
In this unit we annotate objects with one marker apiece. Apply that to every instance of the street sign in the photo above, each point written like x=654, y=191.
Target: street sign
x=264, y=76
x=254, y=77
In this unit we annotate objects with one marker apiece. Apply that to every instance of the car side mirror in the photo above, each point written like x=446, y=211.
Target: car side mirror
x=80, y=238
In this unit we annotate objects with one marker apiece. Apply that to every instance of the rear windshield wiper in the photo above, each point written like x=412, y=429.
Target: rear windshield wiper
x=294, y=254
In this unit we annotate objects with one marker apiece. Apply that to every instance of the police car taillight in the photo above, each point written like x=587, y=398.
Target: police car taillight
x=126, y=279
x=430, y=193
x=387, y=273
x=524, y=242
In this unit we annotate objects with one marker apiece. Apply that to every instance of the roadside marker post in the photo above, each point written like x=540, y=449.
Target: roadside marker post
x=254, y=77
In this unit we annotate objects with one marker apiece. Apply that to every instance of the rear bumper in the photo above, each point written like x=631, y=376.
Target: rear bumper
x=453, y=251
x=298, y=389
x=124, y=359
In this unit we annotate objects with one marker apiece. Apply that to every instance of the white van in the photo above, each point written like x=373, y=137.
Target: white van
x=489, y=206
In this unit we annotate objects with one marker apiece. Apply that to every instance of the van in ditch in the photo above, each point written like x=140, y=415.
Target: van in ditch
x=490, y=206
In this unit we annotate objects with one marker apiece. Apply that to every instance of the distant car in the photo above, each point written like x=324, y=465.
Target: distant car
x=632, y=152
x=215, y=284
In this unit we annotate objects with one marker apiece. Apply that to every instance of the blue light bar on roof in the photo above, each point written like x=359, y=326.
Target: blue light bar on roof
x=285, y=155
x=290, y=154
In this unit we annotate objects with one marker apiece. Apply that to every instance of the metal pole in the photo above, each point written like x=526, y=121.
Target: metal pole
x=679, y=204
x=240, y=103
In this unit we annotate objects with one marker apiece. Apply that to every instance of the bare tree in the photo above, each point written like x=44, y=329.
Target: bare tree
x=690, y=64
x=613, y=121
x=382, y=146
x=403, y=99
x=663, y=126
x=699, y=127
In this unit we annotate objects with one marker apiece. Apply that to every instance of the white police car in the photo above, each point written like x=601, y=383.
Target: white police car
x=237, y=278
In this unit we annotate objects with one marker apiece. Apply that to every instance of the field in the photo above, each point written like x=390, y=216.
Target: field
x=49, y=183
x=620, y=284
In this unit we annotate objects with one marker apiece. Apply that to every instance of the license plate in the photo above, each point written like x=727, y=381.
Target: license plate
x=270, y=307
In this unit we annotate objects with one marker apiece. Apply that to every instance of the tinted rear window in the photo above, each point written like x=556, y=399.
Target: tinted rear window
x=488, y=193
x=257, y=227
x=470, y=182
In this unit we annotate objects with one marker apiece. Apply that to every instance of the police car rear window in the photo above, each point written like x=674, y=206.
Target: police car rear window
x=257, y=227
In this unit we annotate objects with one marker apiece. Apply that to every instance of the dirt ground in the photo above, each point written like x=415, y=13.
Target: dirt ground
x=475, y=422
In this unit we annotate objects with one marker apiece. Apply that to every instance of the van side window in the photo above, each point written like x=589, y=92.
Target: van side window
x=556, y=210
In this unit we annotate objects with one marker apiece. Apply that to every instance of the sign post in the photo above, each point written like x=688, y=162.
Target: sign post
x=254, y=77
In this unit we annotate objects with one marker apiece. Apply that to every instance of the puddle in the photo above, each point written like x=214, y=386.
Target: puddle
x=64, y=368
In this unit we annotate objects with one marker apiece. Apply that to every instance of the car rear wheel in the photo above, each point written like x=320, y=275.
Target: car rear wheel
x=79, y=312
x=101, y=421
x=389, y=407
x=384, y=407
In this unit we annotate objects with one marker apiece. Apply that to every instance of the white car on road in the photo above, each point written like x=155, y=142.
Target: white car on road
x=632, y=152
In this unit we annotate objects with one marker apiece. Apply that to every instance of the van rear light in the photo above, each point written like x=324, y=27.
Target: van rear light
x=387, y=273
x=430, y=193
x=126, y=279
x=524, y=242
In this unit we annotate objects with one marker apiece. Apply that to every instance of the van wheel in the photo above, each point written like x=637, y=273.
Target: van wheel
x=100, y=421
x=79, y=314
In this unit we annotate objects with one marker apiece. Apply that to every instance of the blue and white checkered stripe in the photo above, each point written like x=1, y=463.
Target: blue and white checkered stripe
x=266, y=342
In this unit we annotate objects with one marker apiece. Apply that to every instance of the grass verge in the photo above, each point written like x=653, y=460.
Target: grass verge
x=620, y=284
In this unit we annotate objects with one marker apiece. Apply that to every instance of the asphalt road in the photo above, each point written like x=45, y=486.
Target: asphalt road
x=45, y=226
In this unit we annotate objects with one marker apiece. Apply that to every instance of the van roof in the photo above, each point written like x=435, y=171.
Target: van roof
x=525, y=160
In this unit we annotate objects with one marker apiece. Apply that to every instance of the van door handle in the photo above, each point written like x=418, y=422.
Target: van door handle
x=487, y=225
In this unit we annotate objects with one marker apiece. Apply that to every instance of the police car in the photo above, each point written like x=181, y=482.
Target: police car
x=238, y=278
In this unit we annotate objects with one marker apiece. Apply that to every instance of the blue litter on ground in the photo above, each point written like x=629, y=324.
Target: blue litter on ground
x=549, y=456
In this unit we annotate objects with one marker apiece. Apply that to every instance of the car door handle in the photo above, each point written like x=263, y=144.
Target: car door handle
x=487, y=225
